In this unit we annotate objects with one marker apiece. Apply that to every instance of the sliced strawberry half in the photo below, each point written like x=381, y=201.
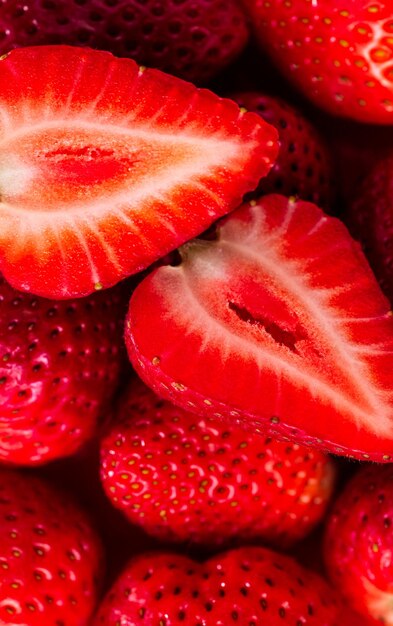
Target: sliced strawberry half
x=105, y=166
x=279, y=324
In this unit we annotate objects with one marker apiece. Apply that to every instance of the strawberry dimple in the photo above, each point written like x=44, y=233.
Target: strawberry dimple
x=370, y=215
x=286, y=332
x=193, y=39
x=105, y=167
x=246, y=586
x=358, y=543
x=50, y=557
x=303, y=167
x=339, y=53
x=59, y=367
x=191, y=480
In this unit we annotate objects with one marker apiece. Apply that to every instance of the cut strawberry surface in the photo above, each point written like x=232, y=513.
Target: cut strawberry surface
x=105, y=166
x=278, y=324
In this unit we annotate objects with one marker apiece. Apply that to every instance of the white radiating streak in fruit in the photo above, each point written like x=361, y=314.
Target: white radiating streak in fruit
x=360, y=396
x=269, y=358
x=5, y=121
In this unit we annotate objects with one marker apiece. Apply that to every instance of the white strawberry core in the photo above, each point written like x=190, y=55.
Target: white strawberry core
x=67, y=166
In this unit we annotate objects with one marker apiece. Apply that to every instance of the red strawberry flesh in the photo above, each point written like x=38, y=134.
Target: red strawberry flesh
x=105, y=167
x=279, y=324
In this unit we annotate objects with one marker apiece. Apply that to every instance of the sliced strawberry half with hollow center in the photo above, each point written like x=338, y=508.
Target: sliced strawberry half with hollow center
x=278, y=324
x=105, y=166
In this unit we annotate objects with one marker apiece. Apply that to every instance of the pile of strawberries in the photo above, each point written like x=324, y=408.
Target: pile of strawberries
x=196, y=327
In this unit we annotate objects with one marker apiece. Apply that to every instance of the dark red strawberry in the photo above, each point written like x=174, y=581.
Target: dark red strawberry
x=371, y=219
x=59, y=367
x=105, y=166
x=359, y=543
x=278, y=324
x=80, y=474
x=247, y=586
x=338, y=52
x=303, y=166
x=50, y=557
x=193, y=39
x=193, y=480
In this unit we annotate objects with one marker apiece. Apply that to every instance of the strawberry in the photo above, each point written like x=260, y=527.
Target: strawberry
x=278, y=324
x=371, y=219
x=247, y=586
x=338, y=52
x=359, y=543
x=192, y=480
x=303, y=166
x=193, y=39
x=50, y=557
x=59, y=367
x=105, y=166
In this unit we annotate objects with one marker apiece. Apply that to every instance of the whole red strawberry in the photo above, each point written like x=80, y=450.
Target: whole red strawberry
x=278, y=324
x=247, y=586
x=187, y=479
x=59, y=367
x=303, y=167
x=193, y=39
x=338, y=52
x=359, y=543
x=50, y=557
x=371, y=219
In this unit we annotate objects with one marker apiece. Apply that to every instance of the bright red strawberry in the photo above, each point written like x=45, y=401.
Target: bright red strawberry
x=303, y=166
x=50, y=557
x=193, y=39
x=371, y=219
x=278, y=324
x=59, y=367
x=247, y=586
x=192, y=480
x=105, y=166
x=359, y=543
x=338, y=52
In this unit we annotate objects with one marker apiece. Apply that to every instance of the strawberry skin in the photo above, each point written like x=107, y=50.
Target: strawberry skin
x=279, y=324
x=105, y=166
x=359, y=543
x=59, y=367
x=303, y=167
x=370, y=216
x=248, y=586
x=338, y=52
x=193, y=480
x=50, y=557
x=192, y=39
